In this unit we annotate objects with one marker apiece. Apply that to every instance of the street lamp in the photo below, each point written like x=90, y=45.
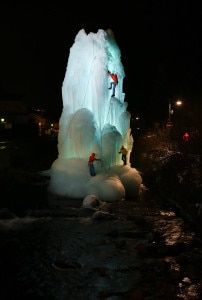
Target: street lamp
x=39, y=128
x=169, y=123
x=170, y=110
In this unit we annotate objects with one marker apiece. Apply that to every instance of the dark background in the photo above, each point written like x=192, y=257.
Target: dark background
x=160, y=44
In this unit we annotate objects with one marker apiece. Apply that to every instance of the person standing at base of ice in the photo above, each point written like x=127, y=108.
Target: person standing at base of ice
x=124, y=152
x=113, y=83
x=186, y=137
x=92, y=158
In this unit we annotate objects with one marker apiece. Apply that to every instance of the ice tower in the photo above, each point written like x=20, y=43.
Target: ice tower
x=93, y=121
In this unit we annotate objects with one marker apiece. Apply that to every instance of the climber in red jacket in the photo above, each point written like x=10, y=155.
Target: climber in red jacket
x=113, y=83
x=91, y=159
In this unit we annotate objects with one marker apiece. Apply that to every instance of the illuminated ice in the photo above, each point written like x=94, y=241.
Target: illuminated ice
x=93, y=121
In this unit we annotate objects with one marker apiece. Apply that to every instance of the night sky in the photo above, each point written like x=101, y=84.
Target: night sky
x=160, y=44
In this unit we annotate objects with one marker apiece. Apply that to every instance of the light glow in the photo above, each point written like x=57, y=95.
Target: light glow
x=178, y=102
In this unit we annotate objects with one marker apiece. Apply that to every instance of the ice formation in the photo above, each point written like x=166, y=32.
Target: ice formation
x=93, y=121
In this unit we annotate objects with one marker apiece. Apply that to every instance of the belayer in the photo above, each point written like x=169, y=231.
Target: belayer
x=124, y=152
